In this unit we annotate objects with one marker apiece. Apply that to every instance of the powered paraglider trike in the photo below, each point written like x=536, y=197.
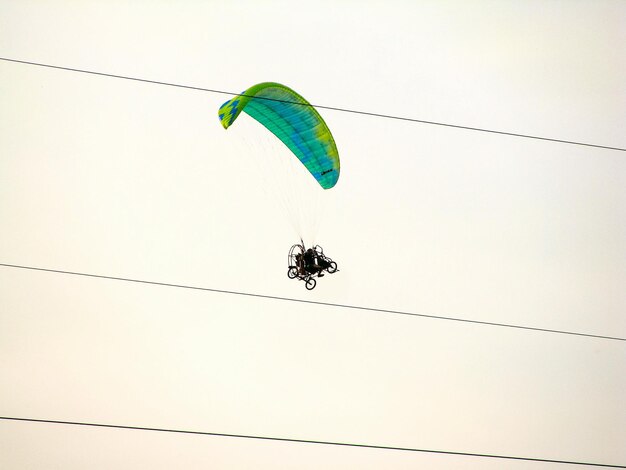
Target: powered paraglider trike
x=308, y=264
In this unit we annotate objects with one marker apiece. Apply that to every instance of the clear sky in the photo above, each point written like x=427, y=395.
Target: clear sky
x=136, y=180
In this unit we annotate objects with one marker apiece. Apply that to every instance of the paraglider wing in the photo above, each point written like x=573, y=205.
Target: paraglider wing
x=294, y=121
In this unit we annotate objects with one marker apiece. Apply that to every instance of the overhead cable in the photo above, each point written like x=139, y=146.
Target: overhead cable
x=307, y=441
x=333, y=108
x=314, y=302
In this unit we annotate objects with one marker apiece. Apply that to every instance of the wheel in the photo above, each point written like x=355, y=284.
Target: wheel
x=292, y=273
x=310, y=283
x=332, y=268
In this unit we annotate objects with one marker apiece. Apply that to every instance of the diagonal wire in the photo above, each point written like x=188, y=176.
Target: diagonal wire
x=333, y=108
x=307, y=441
x=314, y=302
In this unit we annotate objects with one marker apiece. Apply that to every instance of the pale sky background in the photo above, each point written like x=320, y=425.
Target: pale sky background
x=137, y=180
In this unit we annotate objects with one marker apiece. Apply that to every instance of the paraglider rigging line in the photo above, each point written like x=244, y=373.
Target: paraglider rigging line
x=332, y=108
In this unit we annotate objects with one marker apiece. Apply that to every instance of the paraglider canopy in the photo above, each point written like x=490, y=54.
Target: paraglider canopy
x=294, y=121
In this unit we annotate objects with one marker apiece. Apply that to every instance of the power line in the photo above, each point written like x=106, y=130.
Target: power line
x=314, y=302
x=333, y=108
x=307, y=441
